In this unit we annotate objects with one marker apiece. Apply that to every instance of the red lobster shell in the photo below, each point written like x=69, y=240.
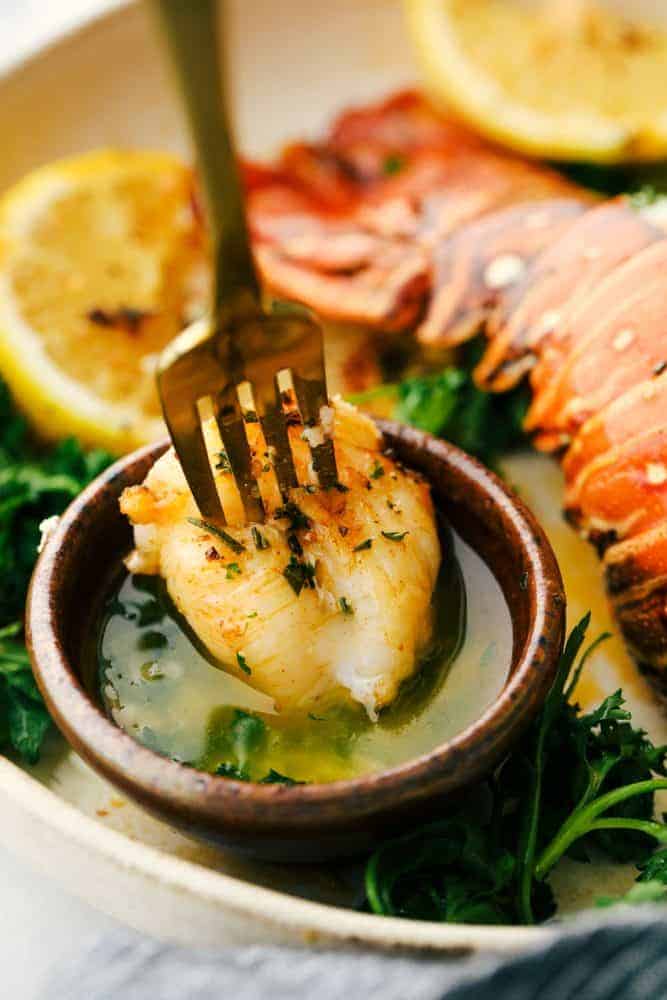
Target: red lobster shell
x=400, y=219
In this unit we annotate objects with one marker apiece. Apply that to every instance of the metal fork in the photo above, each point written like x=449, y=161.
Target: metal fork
x=253, y=375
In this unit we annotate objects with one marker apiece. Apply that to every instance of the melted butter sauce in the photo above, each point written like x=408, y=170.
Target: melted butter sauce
x=156, y=684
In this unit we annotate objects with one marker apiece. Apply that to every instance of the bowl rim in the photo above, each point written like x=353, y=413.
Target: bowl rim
x=177, y=789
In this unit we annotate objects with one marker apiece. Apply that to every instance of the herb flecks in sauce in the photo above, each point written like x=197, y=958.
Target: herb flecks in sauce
x=195, y=712
x=243, y=663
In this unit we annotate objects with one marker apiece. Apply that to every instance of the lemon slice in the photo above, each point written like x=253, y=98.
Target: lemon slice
x=565, y=79
x=101, y=263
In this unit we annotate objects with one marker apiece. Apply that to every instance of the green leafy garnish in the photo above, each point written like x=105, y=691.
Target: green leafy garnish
x=576, y=782
x=395, y=536
x=345, y=606
x=35, y=485
x=220, y=533
x=378, y=470
x=449, y=405
x=24, y=720
x=233, y=569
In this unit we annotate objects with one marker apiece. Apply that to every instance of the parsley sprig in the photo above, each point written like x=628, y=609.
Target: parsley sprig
x=449, y=404
x=590, y=780
x=34, y=485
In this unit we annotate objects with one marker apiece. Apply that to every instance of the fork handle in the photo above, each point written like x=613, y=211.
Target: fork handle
x=191, y=30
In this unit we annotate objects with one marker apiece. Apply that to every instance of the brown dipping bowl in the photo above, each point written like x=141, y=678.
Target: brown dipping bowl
x=305, y=822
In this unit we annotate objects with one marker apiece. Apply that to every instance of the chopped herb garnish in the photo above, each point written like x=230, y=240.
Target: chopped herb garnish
x=253, y=614
x=243, y=663
x=345, y=606
x=220, y=533
x=259, y=539
x=292, y=512
x=317, y=718
x=378, y=470
x=227, y=770
x=299, y=575
x=362, y=546
x=276, y=778
x=294, y=544
x=395, y=536
x=223, y=463
x=392, y=164
x=233, y=569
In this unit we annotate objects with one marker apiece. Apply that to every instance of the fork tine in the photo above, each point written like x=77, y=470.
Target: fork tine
x=182, y=419
x=275, y=431
x=312, y=396
x=230, y=421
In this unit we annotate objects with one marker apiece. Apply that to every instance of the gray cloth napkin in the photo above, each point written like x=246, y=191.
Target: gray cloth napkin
x=624, y=958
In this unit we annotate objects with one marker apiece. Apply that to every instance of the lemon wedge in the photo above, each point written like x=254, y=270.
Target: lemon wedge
x=101, y=263
x=566, y=79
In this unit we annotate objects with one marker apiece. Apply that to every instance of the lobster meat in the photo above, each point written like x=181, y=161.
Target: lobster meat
x=402, y=220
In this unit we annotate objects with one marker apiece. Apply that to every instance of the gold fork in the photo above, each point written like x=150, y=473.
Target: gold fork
x=245, y=385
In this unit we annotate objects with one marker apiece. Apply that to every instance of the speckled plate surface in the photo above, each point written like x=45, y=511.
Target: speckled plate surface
x=60, y=815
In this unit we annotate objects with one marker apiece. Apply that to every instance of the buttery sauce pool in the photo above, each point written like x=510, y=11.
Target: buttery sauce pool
x=156, y=684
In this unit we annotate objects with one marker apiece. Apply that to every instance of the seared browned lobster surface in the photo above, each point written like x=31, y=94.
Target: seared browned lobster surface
x=400, y=219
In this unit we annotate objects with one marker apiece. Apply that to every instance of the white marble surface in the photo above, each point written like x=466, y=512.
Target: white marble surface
x=40, y=924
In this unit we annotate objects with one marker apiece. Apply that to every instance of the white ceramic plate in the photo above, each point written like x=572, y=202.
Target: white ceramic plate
x=296, y=64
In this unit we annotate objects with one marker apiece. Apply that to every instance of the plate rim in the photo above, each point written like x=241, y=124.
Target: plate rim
x=301, y=918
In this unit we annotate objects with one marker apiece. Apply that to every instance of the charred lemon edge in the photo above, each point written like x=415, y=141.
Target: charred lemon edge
x=56, y=404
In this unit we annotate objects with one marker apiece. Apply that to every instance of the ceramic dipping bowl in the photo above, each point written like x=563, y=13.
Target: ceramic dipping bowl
x=315, y=822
